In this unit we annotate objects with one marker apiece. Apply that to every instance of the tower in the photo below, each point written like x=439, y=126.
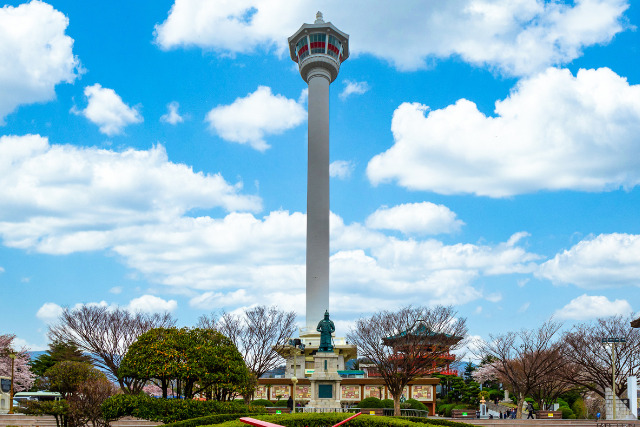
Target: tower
x=319, y=49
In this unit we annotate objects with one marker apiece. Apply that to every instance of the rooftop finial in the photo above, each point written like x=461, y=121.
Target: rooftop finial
x=319, y=19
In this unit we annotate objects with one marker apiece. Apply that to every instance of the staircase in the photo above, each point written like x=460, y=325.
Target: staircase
x=50, y=421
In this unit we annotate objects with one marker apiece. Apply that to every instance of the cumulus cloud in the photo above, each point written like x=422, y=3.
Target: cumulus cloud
x=172, y=116
x=353, y=88
x=63, y=198
x=341, y=169
x=603, y=261
x=151, y=304
x=421, y=218
x=106, y=109
x=49, y=312
x=587, y=307
x=35, y=55
x=554, y=132
x=250, y=119
x=516, y=37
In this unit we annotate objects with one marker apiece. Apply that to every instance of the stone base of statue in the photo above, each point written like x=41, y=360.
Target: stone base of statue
x=325, y=381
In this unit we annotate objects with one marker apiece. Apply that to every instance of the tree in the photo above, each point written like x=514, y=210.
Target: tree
x=195, y=360
x=106, y=334
x=23, y=378
x=526, y=361
x=259, y=333
x=407, y=343
x=58, y=351
x=66, y=377
x=83, y=389
x=590, y=359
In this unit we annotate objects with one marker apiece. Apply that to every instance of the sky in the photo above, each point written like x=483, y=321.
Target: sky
x=485, y=154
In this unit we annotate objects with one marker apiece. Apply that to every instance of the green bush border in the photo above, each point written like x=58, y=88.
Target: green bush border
x=322, y=420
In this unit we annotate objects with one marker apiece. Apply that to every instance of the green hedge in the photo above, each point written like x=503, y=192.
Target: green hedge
x=387, y=403
x=208, y=420
x=170, y=410
x=262, y=402
x=321, y=420
x=370, y=402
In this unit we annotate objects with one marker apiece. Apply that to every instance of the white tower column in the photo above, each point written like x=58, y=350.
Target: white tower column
x=318, y=197
x=319, y=49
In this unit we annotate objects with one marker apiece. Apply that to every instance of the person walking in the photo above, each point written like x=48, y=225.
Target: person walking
x=530, y=409
x=290, y=404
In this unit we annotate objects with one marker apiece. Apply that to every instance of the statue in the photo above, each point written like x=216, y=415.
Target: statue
x=326, y=328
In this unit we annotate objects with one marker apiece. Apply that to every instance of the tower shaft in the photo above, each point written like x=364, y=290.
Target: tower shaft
x=317, y=300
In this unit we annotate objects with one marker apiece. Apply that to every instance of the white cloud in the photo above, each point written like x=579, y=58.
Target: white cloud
x=116, y=290
x=341, y=169
x=554, y=132
x=421, y=218
x=517, y=37
x=252, y=118
x=106, y=109
x=353, y=88
x=172, y=116
x=587, y=307
x=604, y=261
x=524, y=307
x=49, y=312
x=151, y=304
x=35, y=55
x=63, y=199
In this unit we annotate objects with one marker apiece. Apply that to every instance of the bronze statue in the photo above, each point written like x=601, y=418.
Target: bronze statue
x=326, y=328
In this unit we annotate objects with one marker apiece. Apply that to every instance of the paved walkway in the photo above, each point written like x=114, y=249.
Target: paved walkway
x=549, y=423
x=50, y=421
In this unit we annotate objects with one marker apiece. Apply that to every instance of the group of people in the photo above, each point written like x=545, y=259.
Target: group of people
x=509, y=414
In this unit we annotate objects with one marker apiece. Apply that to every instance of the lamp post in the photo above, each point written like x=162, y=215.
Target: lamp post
x=297, y=347
x=613, y=341
x=12, y=356
x=294, y=380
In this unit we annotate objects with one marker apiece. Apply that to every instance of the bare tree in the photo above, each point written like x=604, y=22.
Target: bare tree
x=259, y=333
x=408, y=343
x=105, y=334
x=591, y=359
x=528, y=361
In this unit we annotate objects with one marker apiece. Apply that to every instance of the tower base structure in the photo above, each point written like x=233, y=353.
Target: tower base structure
x=325, y=382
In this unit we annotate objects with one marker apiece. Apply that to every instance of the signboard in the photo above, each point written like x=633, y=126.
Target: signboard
x=5, y=385
x=373, y=391
x=550, y=415
x=421, y=392
x=303, y=392
x=325, y=391
x=351, y=392
x=372, y=412
x=260, y=393
x=465, y=414
x=308, y=372
x=280, y=391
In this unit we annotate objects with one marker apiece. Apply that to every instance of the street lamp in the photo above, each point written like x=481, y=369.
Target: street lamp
x=294, y=380
x=297, y=347
x=12, y=356
x=613, y=341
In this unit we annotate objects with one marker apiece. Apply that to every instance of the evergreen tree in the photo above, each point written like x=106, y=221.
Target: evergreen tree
x=59, y=351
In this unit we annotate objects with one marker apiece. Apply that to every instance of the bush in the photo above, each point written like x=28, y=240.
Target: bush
x=579, y=408
x=209, y=420
x=262, y=402
x=372, y=402
x=282, y=403
x=567, y=412
x=387, y=403
x=320, y=420
x=170, y=410
x=414, y=404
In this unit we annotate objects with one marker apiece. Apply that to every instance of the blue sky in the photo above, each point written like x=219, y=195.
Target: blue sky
x=485, y=154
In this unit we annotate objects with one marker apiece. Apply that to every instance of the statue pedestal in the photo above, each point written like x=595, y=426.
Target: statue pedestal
x=325, y=381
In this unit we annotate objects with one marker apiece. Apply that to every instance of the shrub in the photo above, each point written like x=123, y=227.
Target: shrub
x=208, y=420
x=372, y=402
x=579, y=408
x=282, y=403
x=414, y=404
x=170, y=410
x=567, y=412
x=319, y=420
x=387, y=403
x=262, y=402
